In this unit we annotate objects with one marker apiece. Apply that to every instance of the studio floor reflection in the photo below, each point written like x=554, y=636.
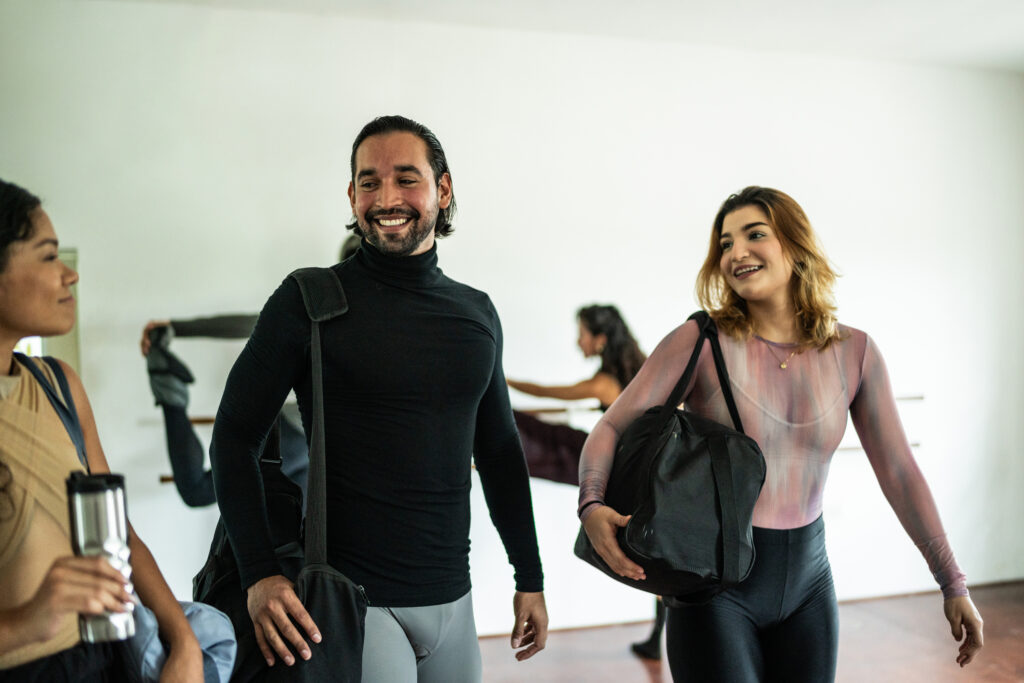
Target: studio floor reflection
x=902, y=639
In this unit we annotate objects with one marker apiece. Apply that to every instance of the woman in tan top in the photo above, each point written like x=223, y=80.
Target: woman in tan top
x=44, y=586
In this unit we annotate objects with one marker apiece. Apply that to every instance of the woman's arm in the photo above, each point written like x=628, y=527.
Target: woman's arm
x=185, y=660
x=650, y=387
x=878, y=425
x=601, y=386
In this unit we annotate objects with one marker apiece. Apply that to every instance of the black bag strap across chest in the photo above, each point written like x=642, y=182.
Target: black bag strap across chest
x=721, y=464
x=708, y=331
x=324, y=299
x=65, y=408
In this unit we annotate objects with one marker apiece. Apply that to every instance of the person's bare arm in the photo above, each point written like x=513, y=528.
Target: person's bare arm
x=601, y=386
x=82, y=585
x=185, y=660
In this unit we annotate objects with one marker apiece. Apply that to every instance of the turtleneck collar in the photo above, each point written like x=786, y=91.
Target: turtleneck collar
x=420, y=268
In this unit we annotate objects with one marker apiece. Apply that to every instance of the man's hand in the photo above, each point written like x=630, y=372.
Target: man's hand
x=965, y=623
x=272, y=606
x=531, y=627
x=601, y=526
x=150, y=326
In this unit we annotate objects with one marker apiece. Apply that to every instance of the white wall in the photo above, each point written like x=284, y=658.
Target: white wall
x=195, y=156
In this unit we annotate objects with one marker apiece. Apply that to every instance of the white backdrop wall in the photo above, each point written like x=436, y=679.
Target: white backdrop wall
x=194, y=156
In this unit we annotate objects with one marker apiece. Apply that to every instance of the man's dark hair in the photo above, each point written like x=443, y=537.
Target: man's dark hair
x=16, y=207
x=349, y=246
x=435, y=157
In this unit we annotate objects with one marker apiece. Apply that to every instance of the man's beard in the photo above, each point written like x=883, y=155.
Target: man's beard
x=397, y=244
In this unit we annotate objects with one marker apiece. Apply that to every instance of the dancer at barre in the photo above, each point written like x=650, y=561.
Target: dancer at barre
x=169, y=378
x=553, y=450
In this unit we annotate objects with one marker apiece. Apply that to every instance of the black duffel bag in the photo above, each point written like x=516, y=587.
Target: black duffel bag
x=690, y=485
x=335, y=603
x=218, y=583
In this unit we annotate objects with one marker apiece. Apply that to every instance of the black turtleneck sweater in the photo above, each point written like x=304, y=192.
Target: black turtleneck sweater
x=413, y=390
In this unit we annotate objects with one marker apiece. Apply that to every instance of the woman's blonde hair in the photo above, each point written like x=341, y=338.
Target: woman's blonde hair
x=813, y=277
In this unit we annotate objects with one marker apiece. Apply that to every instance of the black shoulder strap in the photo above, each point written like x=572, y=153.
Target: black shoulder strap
x=324, y=299
x=704, y=324
x=723, y=374
x=65, y=408
x=322, y=293
x=708, y=331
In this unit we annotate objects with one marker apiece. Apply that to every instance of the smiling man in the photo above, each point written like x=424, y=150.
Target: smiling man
x=413, y=392
x=396, y=192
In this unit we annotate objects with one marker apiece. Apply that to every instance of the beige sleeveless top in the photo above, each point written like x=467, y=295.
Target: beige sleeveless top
x=35, y=530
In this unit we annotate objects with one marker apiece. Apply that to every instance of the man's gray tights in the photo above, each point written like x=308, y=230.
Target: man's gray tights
x=434, y=644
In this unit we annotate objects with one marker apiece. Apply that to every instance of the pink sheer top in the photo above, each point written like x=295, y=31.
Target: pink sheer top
x=798, y=417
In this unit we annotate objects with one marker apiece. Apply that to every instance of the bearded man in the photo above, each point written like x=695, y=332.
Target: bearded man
x=414, y=392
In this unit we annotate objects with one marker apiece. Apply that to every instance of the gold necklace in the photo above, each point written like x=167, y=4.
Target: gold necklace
x=783, y=364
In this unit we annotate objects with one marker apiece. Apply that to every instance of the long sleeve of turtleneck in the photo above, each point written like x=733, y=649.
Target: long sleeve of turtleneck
x=413, y=389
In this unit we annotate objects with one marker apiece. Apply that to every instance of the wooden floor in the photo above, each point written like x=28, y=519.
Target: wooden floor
x=904, y=640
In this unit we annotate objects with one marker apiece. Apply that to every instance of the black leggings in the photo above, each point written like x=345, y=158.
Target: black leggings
x=781, y=624
x=195, y=484
x=83, y=663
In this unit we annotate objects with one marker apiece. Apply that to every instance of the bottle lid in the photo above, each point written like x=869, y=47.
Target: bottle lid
x=80, y=482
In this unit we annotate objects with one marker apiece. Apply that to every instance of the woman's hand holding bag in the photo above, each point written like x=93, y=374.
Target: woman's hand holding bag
x=689, y=485
x=602, y=525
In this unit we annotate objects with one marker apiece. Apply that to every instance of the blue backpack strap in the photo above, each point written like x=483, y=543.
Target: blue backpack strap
x=65, y=408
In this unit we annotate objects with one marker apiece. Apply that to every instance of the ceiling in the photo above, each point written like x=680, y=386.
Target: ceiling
x=985, y=34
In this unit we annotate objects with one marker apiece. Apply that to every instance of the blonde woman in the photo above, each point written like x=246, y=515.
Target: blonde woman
x=796, y=373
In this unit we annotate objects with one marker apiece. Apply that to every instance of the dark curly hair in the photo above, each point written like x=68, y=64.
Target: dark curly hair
x=16, y=207
x=382, y=125
x=621, y=356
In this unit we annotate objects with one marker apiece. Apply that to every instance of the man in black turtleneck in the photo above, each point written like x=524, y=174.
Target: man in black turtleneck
x=413, y=391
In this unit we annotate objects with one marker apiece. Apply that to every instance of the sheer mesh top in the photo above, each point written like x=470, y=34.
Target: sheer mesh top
x=798, y=416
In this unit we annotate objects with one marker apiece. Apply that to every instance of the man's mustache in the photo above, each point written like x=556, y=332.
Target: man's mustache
x=372, y=214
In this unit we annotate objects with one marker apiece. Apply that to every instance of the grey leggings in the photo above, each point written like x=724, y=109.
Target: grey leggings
x=434, y=644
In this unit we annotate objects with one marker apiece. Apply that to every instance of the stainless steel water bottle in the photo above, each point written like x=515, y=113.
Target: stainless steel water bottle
x=99, y=526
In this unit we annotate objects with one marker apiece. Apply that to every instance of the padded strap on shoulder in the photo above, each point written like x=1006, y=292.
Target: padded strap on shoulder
x=65, y=408
x=321, y=293
x=324, y=298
